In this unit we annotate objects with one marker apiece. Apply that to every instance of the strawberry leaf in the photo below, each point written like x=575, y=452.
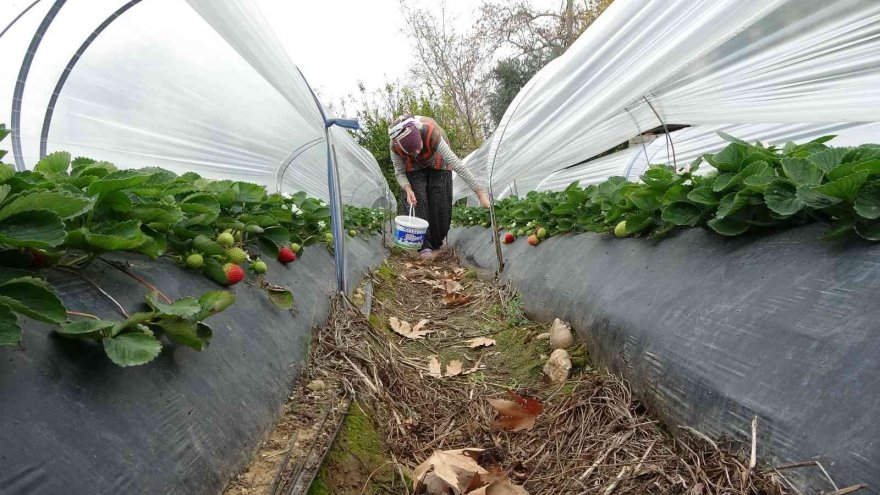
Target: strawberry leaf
x=10, y=330
x=39, y=229
x=33, y=300
x=54, y=163
x=132, y=349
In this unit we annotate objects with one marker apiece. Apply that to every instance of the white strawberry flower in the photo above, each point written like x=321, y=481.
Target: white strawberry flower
x=321, y=224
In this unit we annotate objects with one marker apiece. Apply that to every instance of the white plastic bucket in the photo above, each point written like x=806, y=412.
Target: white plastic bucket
x=409, y=231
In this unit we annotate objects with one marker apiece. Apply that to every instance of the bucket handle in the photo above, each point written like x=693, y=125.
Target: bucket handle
x=410, y=210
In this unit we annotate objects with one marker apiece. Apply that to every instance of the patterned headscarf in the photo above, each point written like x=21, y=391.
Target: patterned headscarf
x=406, y=134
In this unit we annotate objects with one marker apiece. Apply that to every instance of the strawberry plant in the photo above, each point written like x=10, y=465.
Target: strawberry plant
x=67, y=212
x=363, y=221
x=753, y=187
x=135, y=340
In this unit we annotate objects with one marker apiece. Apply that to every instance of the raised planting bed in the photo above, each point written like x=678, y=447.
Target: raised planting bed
x=713, y=331
x=186, y=422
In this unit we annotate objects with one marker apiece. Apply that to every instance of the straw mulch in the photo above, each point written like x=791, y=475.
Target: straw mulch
x=593, y=436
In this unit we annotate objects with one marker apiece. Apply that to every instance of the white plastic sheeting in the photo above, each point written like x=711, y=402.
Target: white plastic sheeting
x=475, y=161
x=193, y=85
x=693, y=142
x=697, y=62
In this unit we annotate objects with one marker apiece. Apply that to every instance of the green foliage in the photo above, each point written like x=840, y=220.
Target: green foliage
x=510, y=76
x=67, y=212
x=364, y=221
x=755, y=187
x=25, y=295
x=135, y=340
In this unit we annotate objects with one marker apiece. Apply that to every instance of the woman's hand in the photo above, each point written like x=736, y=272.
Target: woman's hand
x=410, y=196
x=484, y=200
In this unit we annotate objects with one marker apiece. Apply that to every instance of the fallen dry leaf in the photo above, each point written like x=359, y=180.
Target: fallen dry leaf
x=434, y=367
x=480, y=342
x=405, y=329
x=455, y=299
x=455, y=468
x=452, y=287
x=453, y=368
x=517, y=414
x=399, y=326
x=505, y=487
x=496, y=482
x=494, y=475
x=435, y=485
x=417, y=333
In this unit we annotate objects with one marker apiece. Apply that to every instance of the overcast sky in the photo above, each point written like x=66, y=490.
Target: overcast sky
x=337, y=43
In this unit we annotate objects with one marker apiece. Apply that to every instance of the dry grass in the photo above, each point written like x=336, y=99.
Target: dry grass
x=593, y=437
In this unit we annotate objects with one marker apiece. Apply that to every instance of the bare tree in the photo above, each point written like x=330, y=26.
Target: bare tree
x=538, y=33
x=456, y=64
x=536, y=36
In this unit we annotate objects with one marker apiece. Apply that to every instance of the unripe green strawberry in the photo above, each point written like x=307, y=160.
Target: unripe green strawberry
x=295, y=247
x=237, y=236
x=195, y=261
x=253, y=228
x=620, y=229
x=328, y=238
x=259, y=266
x=225, y=239
x=352, y=233
x=236, y=255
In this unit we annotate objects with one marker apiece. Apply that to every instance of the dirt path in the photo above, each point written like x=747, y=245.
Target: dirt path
x=416, y=394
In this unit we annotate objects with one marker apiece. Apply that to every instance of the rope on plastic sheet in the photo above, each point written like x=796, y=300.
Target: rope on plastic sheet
x=18, y=93
x=669, y=142
x=50, y=108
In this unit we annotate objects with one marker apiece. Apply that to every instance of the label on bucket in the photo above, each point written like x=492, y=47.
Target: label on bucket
x=409, y=238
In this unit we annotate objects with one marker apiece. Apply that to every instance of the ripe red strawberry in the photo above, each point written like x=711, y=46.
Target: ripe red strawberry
x=286, y=255
x=38, y=258
x=234, y=273
x=508, y=238
x=533, y=240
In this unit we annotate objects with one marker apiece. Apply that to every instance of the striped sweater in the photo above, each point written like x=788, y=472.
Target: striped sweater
x=449, y=160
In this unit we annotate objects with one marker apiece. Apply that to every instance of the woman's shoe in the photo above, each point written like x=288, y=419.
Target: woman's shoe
x=426, y=254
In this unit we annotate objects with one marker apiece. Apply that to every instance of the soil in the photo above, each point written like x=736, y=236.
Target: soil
x=307, y=426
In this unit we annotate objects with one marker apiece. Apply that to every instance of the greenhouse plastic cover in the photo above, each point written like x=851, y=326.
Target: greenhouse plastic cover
x=697, y=62
x=200, y=86
x=693, y=142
